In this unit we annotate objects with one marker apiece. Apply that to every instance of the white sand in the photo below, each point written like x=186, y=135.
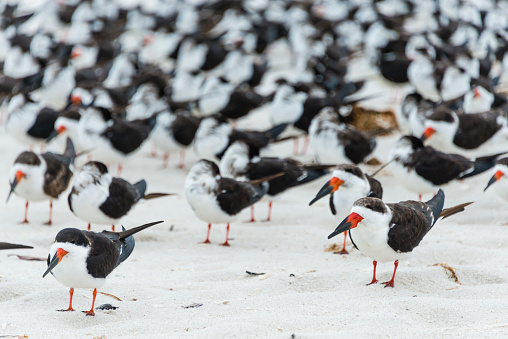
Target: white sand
x=326, y=296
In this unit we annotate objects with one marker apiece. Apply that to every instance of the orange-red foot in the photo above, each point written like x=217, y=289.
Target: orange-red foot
x=23, y=222
x=48, y=223
x=342, y=251
x=90, y=313
x=206, y=242
x=374, y=281
x=389, y=283
x=225, y=244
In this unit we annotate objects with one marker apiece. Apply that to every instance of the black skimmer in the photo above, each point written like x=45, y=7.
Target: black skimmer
x=333, y=142
x=67, y=125
x=241, y=161
x=500, y=178
x=479, y=99
x=214, y=135
x=354, y=185
x=112, y=139
x=413, y=112
x=83, y=259
x=99, y=198
x=389, y=232
x=9, y=246
x=174, y=132
x=475, y=134
x=29, y=122
x=215, y=199
x=38, y=177
x=422, y=169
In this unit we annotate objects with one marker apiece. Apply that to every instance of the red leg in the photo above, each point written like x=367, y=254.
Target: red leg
x=50, y=213
x=252, y=219
x=391, y=282
x=305, y=145
x=42, y=148
x=182, y=159
x=374, y=280
x=112, y=228
x=207, y=241
x=165, y=160
x=295, y=146
x=91, y=312
x=119, y=170
x=71, y=292
x=153, y=153
x=25, y=221
x=227, y=236
x=344, y=250
x=419, y=197
x=89, y=227
x=270, y=203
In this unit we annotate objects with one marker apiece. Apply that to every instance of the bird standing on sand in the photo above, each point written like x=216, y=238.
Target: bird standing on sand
x=41, y=177
x=422, y=169
x=354, y=185
x=241, y=161
x=215, y=199
x=83, y=259
x=99, y=198
x=389, y=232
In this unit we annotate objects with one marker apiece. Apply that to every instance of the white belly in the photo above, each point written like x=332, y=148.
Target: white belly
x=374, y=244
x=206, y=207
x=85, y=205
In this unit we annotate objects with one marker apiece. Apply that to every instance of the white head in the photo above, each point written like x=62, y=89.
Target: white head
x=478, y=100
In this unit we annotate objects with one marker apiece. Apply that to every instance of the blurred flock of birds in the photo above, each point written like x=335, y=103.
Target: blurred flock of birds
x=111, y=76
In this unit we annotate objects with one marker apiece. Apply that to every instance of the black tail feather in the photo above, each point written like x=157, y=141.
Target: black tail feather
x=482, y=164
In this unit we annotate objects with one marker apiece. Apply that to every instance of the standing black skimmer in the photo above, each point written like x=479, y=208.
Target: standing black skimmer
x=83, y=259
x=41, y=177
x=335, y=143
x=174, y=132
x=473, y=134
x=99, y=198
x=413, y=112
x=389, y=232
x=112, y=139
x=422, y=169
x=214, y=135
x=241, y=161
x=9, y=246
x=500, y=178
x=354, y=185
x=29, y=122
x=215, y=199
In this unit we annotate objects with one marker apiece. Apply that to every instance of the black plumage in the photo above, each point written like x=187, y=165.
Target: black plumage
x=233, y=196
x=44, y=124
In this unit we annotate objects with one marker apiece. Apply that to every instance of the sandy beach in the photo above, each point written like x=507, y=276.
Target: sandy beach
x=173, y=286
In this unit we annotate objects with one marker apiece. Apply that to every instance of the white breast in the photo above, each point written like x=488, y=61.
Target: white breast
x=30, y=187
x=72, y=271
x=204, y=203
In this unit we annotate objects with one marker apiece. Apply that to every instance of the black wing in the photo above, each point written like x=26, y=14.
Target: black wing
x=44, y=123
x=126, y=137
x=184, y=129
x=475, y=129
x=122, y=196
x=57, y=176
x=412, y=220
x=356, y=145
x=103, y=256
x=440, y=168
x=234, y=196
